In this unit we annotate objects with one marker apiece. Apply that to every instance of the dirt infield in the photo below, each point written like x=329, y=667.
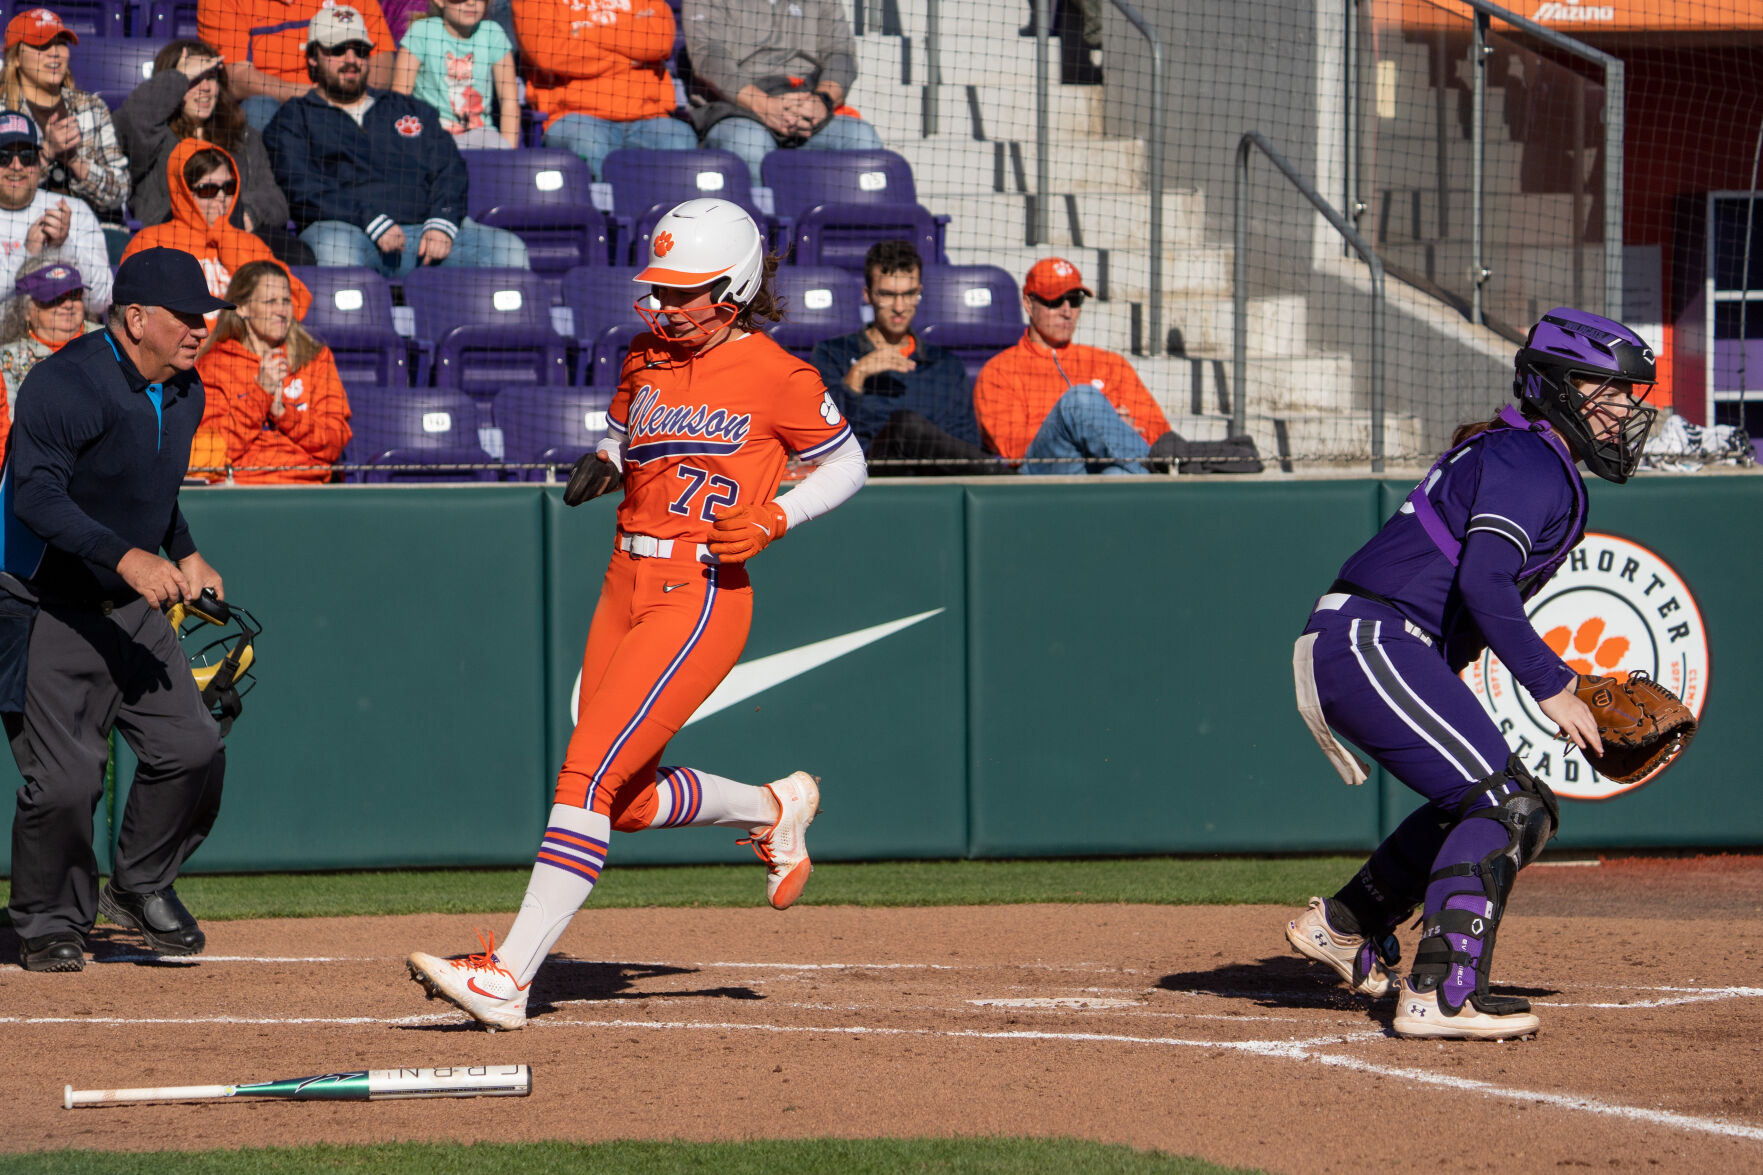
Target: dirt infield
x=1189, y=1029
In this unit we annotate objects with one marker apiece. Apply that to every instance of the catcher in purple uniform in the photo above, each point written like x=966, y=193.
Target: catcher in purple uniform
x=1378, y=663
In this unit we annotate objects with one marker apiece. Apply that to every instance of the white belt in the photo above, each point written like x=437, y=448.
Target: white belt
x=1332, y=601
x=648, y=547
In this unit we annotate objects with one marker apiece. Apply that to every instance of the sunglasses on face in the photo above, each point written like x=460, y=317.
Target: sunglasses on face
x=210, y=191
x=361, y=49
x=1073, y=299
x=61, y=299
x=26, y=155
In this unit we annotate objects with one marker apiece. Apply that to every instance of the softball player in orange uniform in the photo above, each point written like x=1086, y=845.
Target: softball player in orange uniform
x=707, y=412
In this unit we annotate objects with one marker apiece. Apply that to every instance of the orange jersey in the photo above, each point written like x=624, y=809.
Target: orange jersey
x=1017, y=388
x=703, y=433
x=604, y=59
x=238, y=430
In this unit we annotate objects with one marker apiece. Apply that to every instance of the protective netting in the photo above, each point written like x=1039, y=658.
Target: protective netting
x=464, y=241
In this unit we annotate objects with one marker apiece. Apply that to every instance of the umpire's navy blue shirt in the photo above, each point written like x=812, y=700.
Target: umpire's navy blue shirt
x=93, y=467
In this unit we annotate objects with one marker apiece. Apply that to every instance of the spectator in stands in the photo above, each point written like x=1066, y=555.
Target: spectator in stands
x=264, y=45
x=458, y=62
x=204, y=195
x=907, y=401
x=370, y=173
x=81, y=156
x=277, y=413
x=34, y=221
x=774, y=75
x=1062, y=406
x=46, y=312
x=187, y=98
x=602, y=86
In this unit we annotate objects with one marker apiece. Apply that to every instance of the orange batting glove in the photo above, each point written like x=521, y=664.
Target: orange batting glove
x=745, y=531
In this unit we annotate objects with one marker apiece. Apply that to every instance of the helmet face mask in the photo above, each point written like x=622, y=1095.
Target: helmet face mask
x=1581, y=372
x=686, y=325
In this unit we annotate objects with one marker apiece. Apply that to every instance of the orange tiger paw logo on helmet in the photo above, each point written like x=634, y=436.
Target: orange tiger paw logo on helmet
x=1596, y=654
x=663, y=244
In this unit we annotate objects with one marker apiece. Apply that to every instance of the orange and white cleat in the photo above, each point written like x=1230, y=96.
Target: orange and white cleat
x=477, y=985
x=784, y=846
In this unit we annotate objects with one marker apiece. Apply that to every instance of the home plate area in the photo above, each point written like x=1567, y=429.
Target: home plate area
x=1191, y=1030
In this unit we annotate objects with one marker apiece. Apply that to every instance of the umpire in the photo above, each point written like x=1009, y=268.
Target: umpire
x=89, y=497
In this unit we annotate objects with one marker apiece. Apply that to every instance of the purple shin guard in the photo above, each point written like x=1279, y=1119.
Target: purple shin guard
x=1464, y=902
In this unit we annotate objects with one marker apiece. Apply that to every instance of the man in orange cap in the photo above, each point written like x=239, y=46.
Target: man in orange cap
x=1059, y=406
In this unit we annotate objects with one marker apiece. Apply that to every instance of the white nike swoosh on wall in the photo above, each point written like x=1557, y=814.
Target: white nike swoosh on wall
x=762, y=673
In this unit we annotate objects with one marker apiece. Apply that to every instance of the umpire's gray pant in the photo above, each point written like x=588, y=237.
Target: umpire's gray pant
x=89, y=671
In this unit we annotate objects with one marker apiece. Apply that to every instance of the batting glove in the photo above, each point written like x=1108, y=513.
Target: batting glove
x=592, y=476
x=745, y=531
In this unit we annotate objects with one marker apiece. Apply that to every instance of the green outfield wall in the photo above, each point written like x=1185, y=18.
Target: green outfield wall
x=992, y=670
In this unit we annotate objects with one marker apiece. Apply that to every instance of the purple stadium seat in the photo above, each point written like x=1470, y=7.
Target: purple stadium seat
x=543, y=197
x=111, y=67
x=838, y=203
x=171, y=18
x=645, y=184
x=551, y=425
x=489, y=327
x=601, y=301
x=434, y=428
x=821, y=302
x=83, y=18
x=975, y=311
x=801, y=179
x=351, y=314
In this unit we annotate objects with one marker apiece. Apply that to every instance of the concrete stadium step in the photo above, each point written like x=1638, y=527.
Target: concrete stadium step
x=1315, y=382
x=1278, y=327
x=1515, y=217
x=1121, y=276
x=1102, y=220
x=1318, y=442
x=995, y=62
x=950, y=165
x=978, y=112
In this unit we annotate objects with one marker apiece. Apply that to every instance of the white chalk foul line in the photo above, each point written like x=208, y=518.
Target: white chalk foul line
x=1693, y=995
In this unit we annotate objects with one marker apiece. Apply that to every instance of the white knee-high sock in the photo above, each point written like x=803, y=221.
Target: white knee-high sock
x=689, y=798
x=565, y=870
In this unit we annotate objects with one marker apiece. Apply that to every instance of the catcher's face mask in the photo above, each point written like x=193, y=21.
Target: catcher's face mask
x=222, y=666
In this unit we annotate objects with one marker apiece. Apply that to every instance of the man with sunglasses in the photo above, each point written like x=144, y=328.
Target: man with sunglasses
x=1056, y=406
x=371, y=176
x=264, y=45
x=94, y=547
x=34, y=221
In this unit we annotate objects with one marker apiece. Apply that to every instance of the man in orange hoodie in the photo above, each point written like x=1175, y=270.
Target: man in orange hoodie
x=204, y=184
x=598, y=72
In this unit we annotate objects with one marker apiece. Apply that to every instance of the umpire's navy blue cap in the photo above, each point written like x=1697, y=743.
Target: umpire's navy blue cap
x=170, y=278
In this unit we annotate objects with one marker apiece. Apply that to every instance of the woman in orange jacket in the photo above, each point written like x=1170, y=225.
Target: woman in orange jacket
x=276, y=413
x=204, y=184
x=602, y=83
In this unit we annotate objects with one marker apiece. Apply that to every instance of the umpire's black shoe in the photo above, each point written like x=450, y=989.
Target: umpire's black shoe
x=168, y=928
x=64, y=951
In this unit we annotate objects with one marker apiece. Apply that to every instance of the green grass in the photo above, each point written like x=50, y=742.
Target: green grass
x=1157, y=880
x=968, y=1156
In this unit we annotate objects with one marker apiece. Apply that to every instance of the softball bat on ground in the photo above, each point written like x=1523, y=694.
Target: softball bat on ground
x=365, y=1085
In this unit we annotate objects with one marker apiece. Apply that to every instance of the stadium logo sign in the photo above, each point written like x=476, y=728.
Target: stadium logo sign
x=1573, y=12
x=1614, y=607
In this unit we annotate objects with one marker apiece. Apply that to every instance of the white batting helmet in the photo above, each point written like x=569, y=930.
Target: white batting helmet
x=707, y=241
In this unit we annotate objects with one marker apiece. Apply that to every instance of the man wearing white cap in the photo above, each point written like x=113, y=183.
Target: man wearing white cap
x=34, y=221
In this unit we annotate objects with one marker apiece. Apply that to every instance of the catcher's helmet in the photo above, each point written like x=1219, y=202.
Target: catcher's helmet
x=704, y=243
x=223, y=665
x=1607, y=423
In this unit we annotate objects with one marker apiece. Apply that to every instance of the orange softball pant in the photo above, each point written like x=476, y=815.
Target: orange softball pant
x=665, y=634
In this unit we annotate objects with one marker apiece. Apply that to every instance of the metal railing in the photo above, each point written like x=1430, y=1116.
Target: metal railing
x=1479, y=21
x=1240, y=291
x=1040, y=230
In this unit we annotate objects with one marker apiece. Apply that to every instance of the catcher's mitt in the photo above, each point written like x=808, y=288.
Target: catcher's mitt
x=1642, y=724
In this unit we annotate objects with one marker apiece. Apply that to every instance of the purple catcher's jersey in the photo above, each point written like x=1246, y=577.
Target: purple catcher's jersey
x=1511, y=482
